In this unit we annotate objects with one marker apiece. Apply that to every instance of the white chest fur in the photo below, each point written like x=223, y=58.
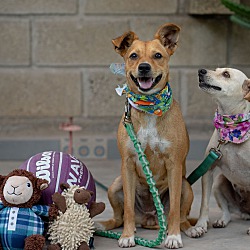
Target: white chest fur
x=148, y=135
x=235, y=164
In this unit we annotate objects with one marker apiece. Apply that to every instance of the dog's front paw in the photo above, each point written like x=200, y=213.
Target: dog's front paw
x=202, y=223
x=173, y=241
x=126, y=241
x=195, y=232
x=219, y=224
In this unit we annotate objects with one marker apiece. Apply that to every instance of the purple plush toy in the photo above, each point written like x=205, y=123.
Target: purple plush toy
x=58, y=167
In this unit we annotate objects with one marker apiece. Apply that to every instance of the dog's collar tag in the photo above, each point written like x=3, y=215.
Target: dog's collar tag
x=121, y=90
x=233, y=128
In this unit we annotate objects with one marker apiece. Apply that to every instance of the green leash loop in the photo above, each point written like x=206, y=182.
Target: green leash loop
x=214, y=155
x=156, y=198
x=203, y=167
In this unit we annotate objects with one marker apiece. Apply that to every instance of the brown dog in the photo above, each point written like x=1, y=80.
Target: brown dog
x=164, y=140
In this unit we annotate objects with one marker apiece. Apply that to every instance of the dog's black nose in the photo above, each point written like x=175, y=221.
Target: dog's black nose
x=202, y=72
x=144, y=68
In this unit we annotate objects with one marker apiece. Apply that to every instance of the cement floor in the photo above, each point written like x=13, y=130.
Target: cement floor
x=232, y=237
x=105, y=171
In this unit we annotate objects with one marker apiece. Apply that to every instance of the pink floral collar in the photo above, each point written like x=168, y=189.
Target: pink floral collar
x=233, y=128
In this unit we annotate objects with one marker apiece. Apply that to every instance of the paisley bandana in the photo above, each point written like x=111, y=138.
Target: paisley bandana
x=157, y=103
x=233, y=128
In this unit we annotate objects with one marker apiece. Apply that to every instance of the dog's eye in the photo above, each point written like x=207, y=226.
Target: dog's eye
x=226, y=74
x=158, y=56
x=133, y=56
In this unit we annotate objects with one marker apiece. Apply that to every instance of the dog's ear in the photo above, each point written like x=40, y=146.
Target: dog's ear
x=122, y=43
x=246, y=89
x=168, y=34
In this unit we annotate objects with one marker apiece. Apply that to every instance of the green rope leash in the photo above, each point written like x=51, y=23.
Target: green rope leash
x=154, y=191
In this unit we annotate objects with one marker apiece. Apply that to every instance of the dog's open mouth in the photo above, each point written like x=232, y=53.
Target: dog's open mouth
x=146, y=83
x=205, y=85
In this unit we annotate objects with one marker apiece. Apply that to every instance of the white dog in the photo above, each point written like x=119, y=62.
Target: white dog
x=230, y=89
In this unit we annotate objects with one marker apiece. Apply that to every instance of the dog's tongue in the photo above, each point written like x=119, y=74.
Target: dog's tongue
x=145, y=82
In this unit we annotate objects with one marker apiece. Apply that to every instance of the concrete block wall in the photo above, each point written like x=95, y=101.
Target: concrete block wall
x=55, y=57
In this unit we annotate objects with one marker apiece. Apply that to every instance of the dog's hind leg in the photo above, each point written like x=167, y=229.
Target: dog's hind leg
x=186, y=203
x=115, y=195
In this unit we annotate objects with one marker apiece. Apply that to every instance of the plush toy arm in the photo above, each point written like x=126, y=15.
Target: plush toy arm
x=96, y=208
x=53, y=212
x=60, y=201
x=41, y=210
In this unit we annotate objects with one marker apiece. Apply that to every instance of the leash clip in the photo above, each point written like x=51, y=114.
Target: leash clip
x=127, y=116
x=217, y=149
